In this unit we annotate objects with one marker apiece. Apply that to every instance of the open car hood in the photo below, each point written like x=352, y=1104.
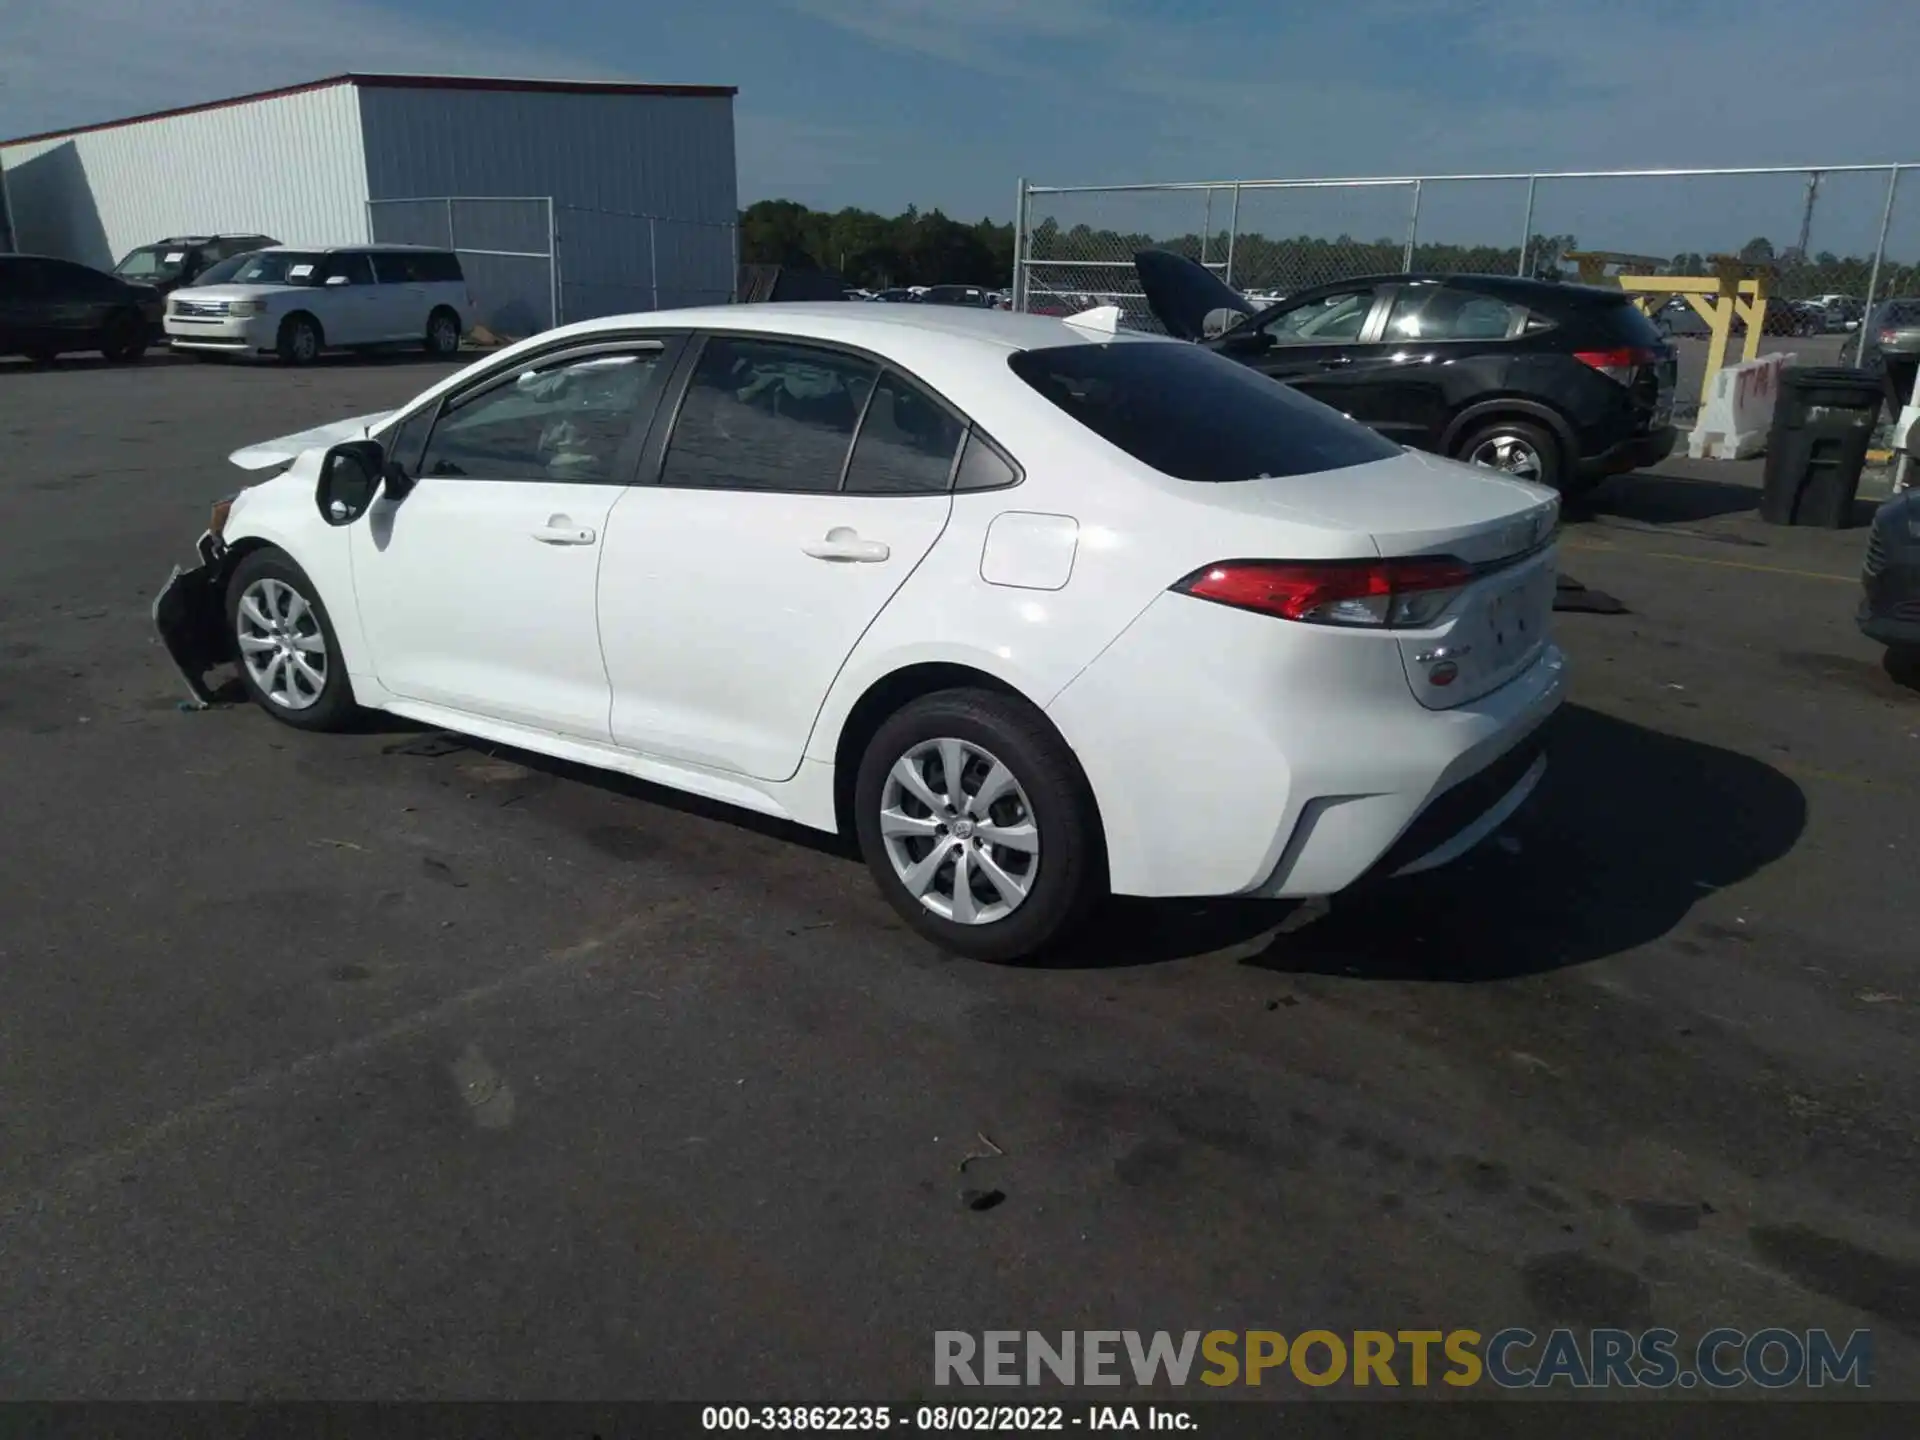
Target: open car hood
x=288, y=448
x=1186, y=297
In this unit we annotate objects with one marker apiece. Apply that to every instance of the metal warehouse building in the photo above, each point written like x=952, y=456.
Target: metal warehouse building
x=565, y=199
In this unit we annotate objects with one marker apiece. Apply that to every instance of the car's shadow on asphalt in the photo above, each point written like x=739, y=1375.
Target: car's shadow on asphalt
x=1629, y=829
x=1656, y=499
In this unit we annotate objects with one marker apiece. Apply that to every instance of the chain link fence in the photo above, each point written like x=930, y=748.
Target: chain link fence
x=1836, y=238
x=506, y=250
x=616, y=263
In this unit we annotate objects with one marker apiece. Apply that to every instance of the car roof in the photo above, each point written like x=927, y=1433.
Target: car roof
x=354, y=249
x=950, y=329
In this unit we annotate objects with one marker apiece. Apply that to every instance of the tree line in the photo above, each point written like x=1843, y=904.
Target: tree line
x=929, y=248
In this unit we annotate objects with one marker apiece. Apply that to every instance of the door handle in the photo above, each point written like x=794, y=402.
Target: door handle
x=1335, y=362
x=844, y=543
x=560, y=530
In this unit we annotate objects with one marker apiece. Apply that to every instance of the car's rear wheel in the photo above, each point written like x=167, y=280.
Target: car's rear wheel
x=299, y=340
x=289, y=657
x=124, y=338
x=979, y=826
x=443, y=334
x=1518, y=448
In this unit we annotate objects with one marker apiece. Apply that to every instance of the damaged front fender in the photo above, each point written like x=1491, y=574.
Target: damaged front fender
x=190, y=615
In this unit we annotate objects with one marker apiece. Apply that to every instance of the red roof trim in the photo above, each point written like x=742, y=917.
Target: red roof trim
x=401, y=82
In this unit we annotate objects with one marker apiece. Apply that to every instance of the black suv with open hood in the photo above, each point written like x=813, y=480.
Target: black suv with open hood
x=1560, y=384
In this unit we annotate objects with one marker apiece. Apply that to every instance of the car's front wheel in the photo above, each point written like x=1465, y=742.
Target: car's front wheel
x=289, y=657
x=124, y=338
x=299, y=340
x=978, y=825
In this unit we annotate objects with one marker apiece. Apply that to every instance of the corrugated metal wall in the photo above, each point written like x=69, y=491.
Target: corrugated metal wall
x=293, y=167
x=643, y=186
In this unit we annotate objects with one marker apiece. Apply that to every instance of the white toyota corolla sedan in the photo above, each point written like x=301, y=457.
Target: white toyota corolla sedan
x=1036, y=610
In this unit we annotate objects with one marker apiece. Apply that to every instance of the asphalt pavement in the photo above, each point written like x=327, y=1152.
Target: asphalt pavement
x=380, y=1065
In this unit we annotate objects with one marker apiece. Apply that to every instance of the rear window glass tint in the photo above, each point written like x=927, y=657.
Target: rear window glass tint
x=1196, y=415
x=1626, y=322
x=1900, y=312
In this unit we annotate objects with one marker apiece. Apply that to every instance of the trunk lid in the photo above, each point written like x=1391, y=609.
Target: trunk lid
x=1185, y=296
x=1419, y=504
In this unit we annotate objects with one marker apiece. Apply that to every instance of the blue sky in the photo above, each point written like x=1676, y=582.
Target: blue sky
x=946, y=103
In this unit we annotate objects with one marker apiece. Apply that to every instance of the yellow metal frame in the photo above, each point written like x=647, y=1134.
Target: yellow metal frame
x=1736, y=288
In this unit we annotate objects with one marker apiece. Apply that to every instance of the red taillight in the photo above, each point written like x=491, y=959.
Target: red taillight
x=1887, y=337
x=1406, y=592
x=1619, y=365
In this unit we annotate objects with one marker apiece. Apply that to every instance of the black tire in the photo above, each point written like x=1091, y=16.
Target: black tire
x=300, y=340
x=1902, y=665
x=334, y=706
x=1497, y=436
x=443, y=334
x=1067, y=877
x=124, y=338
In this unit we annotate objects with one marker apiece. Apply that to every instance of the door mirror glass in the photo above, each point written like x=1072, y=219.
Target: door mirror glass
x=350, y=477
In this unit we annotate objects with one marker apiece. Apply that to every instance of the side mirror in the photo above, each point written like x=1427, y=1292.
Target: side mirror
x=1245, y=341
x=350, y=478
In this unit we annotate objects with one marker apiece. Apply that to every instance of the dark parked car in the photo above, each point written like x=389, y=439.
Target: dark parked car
x=897, y=296
x=1784, y=317
x=1560, y=384
x=1890, y=608
x=974, y=295
x=167, y=265
x=51, y=307
x=1893, y=346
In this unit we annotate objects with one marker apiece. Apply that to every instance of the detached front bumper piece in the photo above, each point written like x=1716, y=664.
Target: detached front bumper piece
x=190, y=614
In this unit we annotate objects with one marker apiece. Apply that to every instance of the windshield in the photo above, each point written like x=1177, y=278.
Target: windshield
x=224, y=271
x=153, y=262
x=1196, y=415
x=279, y=267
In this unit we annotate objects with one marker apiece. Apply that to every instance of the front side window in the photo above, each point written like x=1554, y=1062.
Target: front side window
x=1437, y=312
x=565, y=420
x=155, y=262
x=907, y=442
x=1194, y=414
x=1330, y=320
x=281, y=267
x=767, y=415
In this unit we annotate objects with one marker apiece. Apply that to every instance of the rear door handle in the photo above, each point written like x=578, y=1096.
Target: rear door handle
x=844, y=543
x=560, y=530
x=1335, y=362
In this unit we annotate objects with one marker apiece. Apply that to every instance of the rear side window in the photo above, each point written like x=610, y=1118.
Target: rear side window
x=1196, y=415
x=1439, y=312
x=417, y=267
x=907, y=442
x=766, y=415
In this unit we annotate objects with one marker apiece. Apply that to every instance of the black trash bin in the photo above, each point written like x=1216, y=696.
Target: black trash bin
x=1822, y=420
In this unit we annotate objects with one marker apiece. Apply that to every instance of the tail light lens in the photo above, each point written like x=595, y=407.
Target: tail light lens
x=1887, y=337
x=1389, y=594
x=1620, y=365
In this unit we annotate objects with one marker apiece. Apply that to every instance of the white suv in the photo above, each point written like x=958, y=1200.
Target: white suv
x=295, y=302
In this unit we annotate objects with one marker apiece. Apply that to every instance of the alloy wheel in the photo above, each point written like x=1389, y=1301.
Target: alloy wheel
x=1511, y=454
x=959, y=831
x=281, y=643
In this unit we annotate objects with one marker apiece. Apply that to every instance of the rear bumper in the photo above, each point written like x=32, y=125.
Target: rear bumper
x=1231, y=758
x=190, y=615
x=1890, y=603
x=1634, y=453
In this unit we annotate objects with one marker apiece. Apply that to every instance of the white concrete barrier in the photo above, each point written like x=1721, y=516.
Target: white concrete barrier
x=1733, y=424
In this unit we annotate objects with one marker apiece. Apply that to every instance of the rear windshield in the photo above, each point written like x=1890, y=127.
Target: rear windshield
x=1195, y=415
x=1626, y=323
x=1898, y=312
